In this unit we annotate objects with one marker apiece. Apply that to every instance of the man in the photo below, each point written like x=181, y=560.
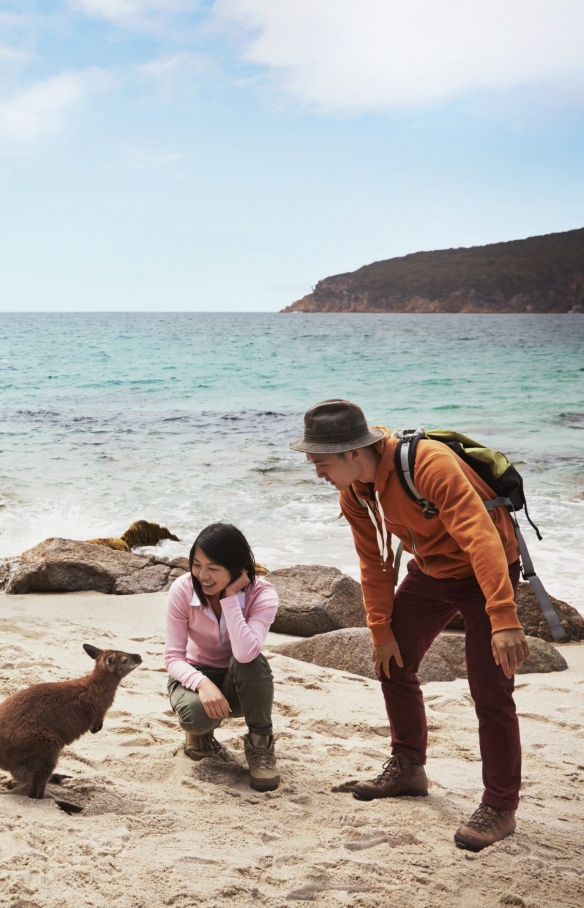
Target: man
x=465, y=559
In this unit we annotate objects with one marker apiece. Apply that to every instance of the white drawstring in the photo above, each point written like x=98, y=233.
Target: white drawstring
x=381, y=534
x=385, y=549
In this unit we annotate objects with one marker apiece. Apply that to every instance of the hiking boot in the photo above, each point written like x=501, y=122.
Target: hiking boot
x=400, y=776
x=486, y=826
x=260, y=754
x=197, y=747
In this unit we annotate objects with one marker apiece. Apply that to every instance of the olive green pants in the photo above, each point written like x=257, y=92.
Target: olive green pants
x=248, y=687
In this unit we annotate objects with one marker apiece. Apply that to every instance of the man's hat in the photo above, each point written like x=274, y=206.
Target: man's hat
x=334, y=426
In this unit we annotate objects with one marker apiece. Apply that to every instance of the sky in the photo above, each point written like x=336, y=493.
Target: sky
x=190, y=155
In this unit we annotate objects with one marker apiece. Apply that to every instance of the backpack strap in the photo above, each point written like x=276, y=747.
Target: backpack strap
x=528, y=571
x=396, y=561
x=405, y=458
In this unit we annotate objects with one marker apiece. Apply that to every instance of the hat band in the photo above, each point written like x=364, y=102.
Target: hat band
x=325, y=437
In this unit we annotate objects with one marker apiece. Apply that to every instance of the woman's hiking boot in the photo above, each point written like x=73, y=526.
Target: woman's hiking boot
x=260, y=754
x=486, y=826
x=197, y=747
x=400, y=776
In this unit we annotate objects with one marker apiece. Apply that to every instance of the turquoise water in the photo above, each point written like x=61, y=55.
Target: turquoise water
x=184, y=418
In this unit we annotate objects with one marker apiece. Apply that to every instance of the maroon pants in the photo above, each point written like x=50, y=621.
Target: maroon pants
x=423, y=607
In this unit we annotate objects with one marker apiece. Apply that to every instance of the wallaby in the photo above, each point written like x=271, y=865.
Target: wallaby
x=38, y=722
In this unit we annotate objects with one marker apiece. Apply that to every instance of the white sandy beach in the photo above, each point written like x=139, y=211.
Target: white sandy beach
x=158, y=829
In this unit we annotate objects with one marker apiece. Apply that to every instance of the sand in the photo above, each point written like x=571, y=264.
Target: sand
x=158, y=829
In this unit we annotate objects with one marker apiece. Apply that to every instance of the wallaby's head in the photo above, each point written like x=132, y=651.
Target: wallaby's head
x=112, y=660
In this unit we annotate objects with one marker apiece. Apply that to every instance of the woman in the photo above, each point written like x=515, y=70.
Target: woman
x=218, y=617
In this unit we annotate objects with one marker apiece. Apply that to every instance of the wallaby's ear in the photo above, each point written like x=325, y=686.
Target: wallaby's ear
x=92, y=651
x=111, y=659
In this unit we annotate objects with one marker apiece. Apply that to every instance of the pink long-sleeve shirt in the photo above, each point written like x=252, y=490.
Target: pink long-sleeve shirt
x=195, y=637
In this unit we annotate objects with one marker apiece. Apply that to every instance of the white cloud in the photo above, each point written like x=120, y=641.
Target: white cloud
x=174, y=66
x=131, y=12
x=41, y=107
x=11, y=60
x=356, y=55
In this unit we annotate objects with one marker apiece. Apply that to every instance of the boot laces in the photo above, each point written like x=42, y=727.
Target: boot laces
x=485, y=817
x=262, y=757
x=209, y=742
x=390, y=769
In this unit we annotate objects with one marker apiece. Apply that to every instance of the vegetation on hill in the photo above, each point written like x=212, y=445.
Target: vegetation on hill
x=539, y=274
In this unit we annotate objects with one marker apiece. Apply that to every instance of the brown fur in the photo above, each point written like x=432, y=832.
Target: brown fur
x=38, y=722
x=143, y=533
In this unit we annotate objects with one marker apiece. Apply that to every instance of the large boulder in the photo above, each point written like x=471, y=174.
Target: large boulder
x=350, y=650
x=316, y=599
x=532, y=620
x=534, y=623
x=65, y=565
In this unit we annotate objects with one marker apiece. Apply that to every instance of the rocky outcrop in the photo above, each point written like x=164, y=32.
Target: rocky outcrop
x=65, y=565
x=316, y=599
x=111, y=542
x=350, y=650
x=538, y=274
x=533, y=621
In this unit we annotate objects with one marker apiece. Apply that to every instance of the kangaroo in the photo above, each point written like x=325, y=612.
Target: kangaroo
x=38, y=722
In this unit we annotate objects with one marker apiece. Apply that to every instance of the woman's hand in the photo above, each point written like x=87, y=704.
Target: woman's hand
x=214, y=703
x=232, y=588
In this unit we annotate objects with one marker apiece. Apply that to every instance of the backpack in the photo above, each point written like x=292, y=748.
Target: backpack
x=500, y=475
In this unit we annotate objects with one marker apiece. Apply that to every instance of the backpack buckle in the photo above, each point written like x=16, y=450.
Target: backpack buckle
x=429, y=510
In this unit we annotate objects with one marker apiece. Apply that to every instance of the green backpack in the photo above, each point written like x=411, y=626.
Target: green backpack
x=499, y=474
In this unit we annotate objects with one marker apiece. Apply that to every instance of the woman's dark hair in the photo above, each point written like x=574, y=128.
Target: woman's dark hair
x=225, y=545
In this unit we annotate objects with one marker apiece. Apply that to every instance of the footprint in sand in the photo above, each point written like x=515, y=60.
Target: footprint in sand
x=368, y=840
x=286, y=709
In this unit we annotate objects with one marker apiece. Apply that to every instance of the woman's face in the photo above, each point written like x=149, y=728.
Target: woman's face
x=213, y=577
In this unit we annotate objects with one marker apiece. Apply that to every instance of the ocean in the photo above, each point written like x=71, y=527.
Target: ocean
x=183, y=419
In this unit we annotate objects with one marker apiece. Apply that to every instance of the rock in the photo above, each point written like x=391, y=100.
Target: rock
x=533, y=621
x=111, y=542
x=181, y=563
x=543, y=658
x=7, y=568
x=65, y=565
x=316, y=599
x=445, y=660
x=350, y=650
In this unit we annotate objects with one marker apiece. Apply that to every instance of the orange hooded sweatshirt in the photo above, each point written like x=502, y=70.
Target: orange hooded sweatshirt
x=461, y=540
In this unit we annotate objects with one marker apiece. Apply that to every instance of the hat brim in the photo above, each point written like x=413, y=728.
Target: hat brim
x=337, y=447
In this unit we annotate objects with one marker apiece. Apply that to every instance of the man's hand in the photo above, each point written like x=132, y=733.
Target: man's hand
x=232, y=588
x=214, y=703
x=510, y=649
x=382, y=655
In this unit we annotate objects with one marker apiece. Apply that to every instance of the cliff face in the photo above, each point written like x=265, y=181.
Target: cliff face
x=539, y=274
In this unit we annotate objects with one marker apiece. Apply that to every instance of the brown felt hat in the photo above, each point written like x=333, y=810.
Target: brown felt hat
x=334, y=426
